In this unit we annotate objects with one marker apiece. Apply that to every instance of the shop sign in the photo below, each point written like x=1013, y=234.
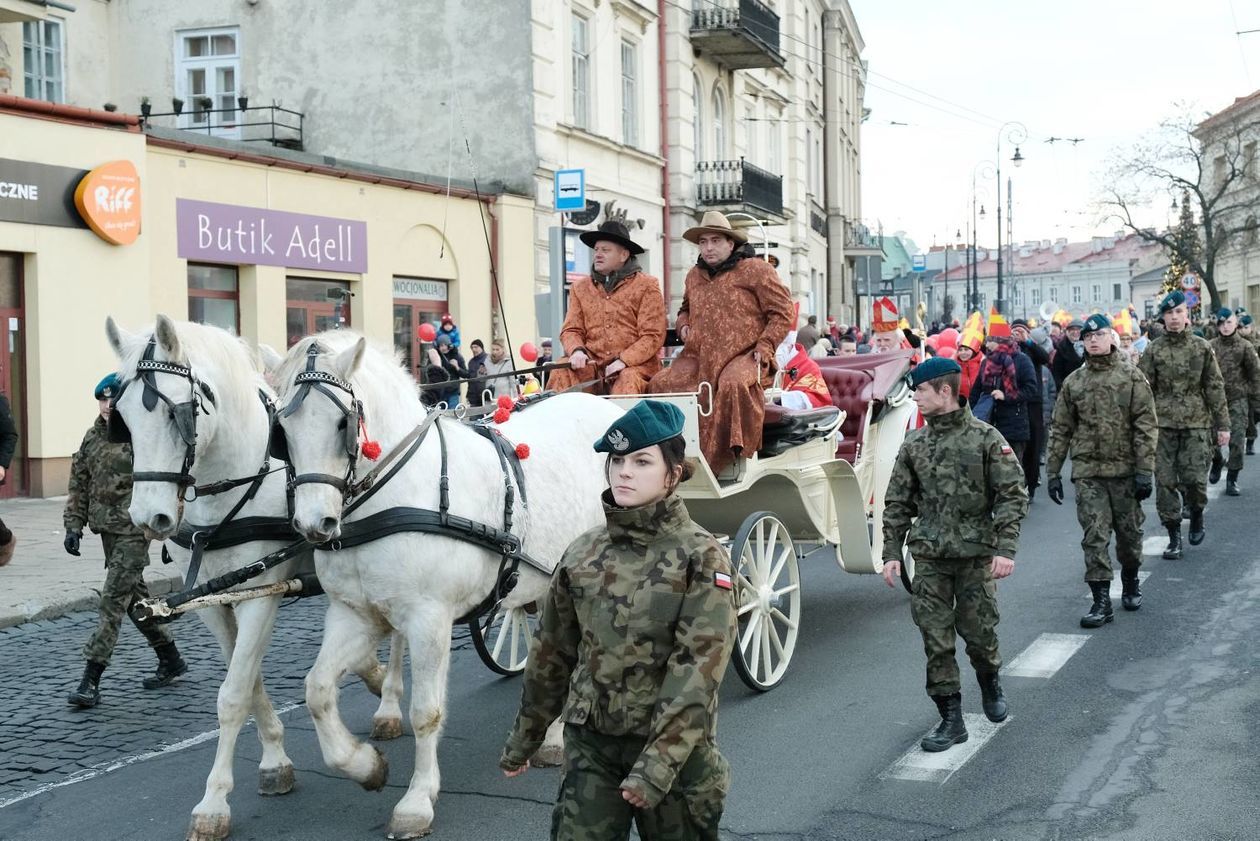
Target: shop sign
x=108, y=199
x=414, y=288
x=229, y=233
x=38, y=194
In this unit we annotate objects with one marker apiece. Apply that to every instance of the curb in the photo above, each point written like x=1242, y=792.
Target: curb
x=35, y=612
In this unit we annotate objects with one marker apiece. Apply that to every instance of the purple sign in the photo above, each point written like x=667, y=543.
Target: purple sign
x=229, y=233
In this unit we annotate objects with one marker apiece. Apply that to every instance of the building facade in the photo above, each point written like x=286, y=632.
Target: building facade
x=1229, y=141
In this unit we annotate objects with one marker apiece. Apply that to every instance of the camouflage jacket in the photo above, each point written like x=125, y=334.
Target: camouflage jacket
x=1240, y=367
x=100, y=485
x=636, y=630
x=1186, y=382
x=1105, y=414
x=962, y=482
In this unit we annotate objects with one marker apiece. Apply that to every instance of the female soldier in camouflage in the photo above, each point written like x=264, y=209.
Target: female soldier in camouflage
x=636, y=632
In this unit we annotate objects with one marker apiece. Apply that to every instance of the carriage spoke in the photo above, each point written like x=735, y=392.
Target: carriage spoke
x=791, y=588
x=782, y=617
x=778, y=643
x=753, y=624
x=754, y=644
x=512, y=630
x=499, y=640
x=787, y=552
x=765, y=650
x=745, y=608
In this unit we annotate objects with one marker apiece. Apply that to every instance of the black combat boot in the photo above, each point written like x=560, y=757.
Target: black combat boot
x=1218, y=464
x=1172, y=552
x=1251, y=446
x=170, y=666
x=1131, y=598
x=1100, y=612
x=1197, y=530
x=88, y=694
x=991, y=696
x=951, y=731
x=1231, y=483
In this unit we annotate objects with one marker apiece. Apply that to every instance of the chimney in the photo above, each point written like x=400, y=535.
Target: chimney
x=1045, y=243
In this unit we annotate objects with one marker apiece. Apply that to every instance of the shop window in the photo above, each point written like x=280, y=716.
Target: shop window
x=43, y=61
x=419, y=301
x=214, y=297
x=208, y=64
x=313, y=306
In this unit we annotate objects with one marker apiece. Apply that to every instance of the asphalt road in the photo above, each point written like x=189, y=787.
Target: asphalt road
x=1146, y=732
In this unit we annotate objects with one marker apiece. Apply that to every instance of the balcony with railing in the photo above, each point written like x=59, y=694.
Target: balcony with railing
x=740, y=34
x=252, y=124
x=861, y=241
x=738, y=185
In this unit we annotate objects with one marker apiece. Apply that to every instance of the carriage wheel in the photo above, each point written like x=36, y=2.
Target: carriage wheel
x=502, y=638
x=768, y=592
x=907, y=570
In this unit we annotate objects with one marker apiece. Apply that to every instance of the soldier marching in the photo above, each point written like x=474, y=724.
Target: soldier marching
x=1240, y=369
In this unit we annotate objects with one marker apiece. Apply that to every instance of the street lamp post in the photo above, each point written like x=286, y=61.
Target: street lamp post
x=1015, y=133
x=984, y=169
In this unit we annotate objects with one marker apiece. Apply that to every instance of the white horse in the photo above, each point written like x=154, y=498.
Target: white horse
x=230, y=433
x=420, y=583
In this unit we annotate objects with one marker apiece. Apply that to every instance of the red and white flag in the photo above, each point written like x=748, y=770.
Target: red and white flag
x=722, y=580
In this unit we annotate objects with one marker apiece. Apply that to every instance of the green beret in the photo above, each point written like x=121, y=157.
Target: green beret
x=930, y=369
x=1223, y=314
x=1172, y=300
x=108, y=387
x=1097, y=321
x=649, y=422
x=1245, y=320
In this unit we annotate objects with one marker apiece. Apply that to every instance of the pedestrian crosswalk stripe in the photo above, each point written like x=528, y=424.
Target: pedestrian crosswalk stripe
x=917, y=765
x=1045, y=656
x=1154, y=545
x=1117, y=587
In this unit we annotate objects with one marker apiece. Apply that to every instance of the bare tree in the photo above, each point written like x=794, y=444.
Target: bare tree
x=1211, y=162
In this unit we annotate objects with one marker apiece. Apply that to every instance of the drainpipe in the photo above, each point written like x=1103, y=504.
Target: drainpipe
x=664, y=120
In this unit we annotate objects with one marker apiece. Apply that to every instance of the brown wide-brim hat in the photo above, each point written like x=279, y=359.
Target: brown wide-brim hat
x=714, y=223
x=613, y=231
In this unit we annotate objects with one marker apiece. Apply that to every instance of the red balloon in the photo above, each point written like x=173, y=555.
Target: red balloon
x=947, y=352
x=948, y=337
x=427, y=332
x=528, y=352
x=932, y=341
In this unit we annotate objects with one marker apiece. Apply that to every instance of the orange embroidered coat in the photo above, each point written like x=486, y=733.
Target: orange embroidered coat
x=627, y=323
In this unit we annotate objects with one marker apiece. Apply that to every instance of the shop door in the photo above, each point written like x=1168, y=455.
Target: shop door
x=312, y=307
x=408, y=316
x=13, y=367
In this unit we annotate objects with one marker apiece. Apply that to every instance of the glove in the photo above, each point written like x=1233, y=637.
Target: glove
x=1143, y=484
x=72, y=541
x=1054, y=488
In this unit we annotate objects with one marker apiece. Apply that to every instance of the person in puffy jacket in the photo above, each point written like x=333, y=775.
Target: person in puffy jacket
x=1007, y=377
x=969, y=359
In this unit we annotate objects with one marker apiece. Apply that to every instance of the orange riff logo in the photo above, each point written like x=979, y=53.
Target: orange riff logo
x=108, y=199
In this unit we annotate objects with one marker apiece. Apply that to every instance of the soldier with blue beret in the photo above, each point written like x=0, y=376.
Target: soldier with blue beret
x=99, y=496
x=1248, y=332
x=1240, y=369
x=954, y=501
x=636, y=633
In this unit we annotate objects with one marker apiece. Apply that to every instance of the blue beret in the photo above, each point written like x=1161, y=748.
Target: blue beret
x=930, y=369
x=1245, y=320
x=1223, y=314
x=1097, y=321
x=108, y=387
x=649, y=422
x=1173, y=299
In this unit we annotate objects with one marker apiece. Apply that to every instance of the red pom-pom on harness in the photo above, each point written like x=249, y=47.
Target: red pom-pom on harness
x=504, y=402
x=370, y=449
x=502, y=415
x=522, y=451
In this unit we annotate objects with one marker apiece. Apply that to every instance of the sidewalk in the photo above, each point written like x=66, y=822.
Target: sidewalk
x=43, y=581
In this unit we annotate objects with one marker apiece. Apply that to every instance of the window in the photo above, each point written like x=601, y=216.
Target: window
x=212, y=296
x=818, y=169
x=1097, y=294
x=1116, y=294
x=697, y=124
x=1053, y=293
x=629, y=94
x=809, y=160
x=208, y=69
x=719, y=125
x=750, y=136
x=42, y=60
x=581, y=72
x=772, y=143
x=1076, y=294
x=313, y=306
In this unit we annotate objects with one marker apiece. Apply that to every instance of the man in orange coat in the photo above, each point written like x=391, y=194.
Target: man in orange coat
x=735, y=313
x=615, y=327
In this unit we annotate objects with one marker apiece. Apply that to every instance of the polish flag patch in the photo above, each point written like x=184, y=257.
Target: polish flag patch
x=1007, y=451
x=722, y=580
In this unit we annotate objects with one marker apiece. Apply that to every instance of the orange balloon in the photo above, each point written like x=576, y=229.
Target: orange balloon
x=427, y=332
x=528, y=352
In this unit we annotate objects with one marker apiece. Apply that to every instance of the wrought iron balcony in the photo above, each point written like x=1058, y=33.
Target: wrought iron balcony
x=261, y=123
x=738, y=185
x=861, y=241
x=738, y=33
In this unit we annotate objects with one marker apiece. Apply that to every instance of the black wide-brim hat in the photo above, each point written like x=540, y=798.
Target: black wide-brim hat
x=613, y=231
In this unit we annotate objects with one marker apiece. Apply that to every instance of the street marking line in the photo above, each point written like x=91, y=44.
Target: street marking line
x=114, y=764
x=1154, y=545
x=1045, y=656
x=918, y=766
x=1117, y=586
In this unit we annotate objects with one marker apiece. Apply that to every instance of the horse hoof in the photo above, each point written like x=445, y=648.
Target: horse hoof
x=385, y=729
x=380, y=773
x=548, y=756
x=275, y=781
x=413, y=826
x=209, y=827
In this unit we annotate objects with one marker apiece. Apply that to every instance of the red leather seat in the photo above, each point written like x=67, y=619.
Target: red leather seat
x=852, y=390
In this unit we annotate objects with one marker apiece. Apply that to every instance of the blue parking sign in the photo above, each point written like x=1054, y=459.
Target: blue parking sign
x=570, y=190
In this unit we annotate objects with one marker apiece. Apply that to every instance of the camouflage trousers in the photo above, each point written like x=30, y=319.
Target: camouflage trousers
x=126, y=556
x=590, y=807
x=1182, y=458
x=1239, y=421
x=955, y=595
x=1104, y=506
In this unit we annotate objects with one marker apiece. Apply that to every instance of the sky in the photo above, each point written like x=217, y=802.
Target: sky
x=944, y=78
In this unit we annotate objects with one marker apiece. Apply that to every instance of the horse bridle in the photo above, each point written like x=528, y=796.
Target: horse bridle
x=352, y=418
